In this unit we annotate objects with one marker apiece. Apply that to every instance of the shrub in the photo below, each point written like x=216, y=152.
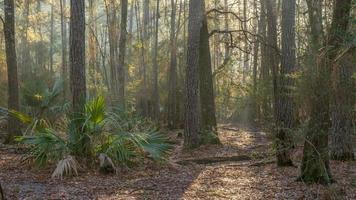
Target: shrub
x=123, y=137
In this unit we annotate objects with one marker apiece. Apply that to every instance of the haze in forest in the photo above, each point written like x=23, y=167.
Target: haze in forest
x=229, y=99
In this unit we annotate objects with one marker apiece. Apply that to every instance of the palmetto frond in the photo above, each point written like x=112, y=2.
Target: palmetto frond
x=46, y=146
x=66, y=167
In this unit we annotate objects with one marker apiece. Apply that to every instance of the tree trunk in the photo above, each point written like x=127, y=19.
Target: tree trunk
x=207, y=100
x=264, y=67
x=13, y=90
x=272, y=53
x=142, y=35
x=122, y=52
x=145, y=47
x=256, y=47
x=191, y=128
x=40, y=65
x=26, y=65
x=64, y=49
x=172, y=74
x=315, y=163
x=112, y=32
x=51, y=40
x=342, y=83
x=246, y=45
x=285, y=105
x=342, y=103
x=77, y=54
x=92, y=44
x=155, y=97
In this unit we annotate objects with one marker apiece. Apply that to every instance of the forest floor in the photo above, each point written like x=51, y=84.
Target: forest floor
x=243, y=167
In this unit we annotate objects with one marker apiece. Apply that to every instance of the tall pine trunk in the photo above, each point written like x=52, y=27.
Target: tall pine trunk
x=110, y=7
x=13, y=90
x=191, y=128
x=264, y=67
x=315, y=163
x=92, y=44
x=26, y=65
x=122, y=54
x=64, y=71
x=77, y=55
x=172, y=114
x=51, y=48
x=155, y=94
x=342, y=68
x=272, y=42
x=343, y=100
x=285, y=105
x=207, y=100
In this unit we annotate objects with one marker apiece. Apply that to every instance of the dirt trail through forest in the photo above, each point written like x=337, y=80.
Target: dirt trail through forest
x=241, y=168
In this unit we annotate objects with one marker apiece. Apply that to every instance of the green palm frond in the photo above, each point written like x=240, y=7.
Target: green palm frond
x=121, y=149
x=46, y=146
x=124, y=147
x=22, y=117
x=95, y=110
x=156, y=145
x=33, y=124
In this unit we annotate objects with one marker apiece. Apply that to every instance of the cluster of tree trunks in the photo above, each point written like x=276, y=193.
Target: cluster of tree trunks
x=331, y=68
x=315, y=163
x=330, y=75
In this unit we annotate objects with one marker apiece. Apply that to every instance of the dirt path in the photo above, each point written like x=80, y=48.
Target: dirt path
x=255, y=177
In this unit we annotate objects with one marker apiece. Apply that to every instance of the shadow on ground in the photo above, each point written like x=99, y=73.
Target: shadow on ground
x=218, y=180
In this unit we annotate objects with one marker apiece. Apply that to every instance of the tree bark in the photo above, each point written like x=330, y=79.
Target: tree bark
x=13, y=90
x=256, y=47
x=342, y=84
x=122, y=54
x=172, y=117
x=272, y=53
x=26, y=65
x=64, y=50
x=191, y=128
x=155, y=97
x=264, y=67
x=51, y=49
x=342, y=128
x=207, y=99
x=246, y=67
x=77, y=55
x=285, y=105
x=92, y=44
x=315, y=163
x=110, y=7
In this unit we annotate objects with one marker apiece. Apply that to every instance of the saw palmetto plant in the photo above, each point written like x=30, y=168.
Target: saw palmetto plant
x=124, y=138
